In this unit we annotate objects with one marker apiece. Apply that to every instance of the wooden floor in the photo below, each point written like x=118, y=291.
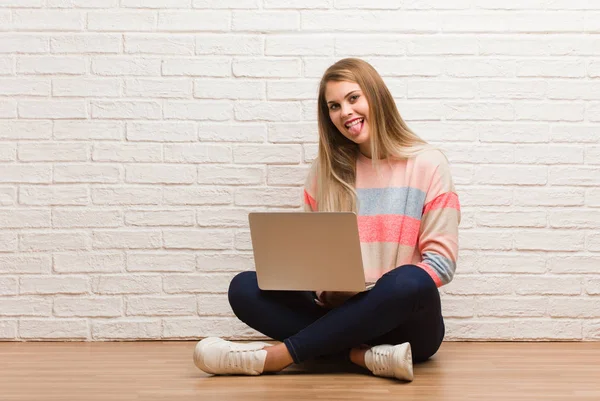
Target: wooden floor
x=165, y=371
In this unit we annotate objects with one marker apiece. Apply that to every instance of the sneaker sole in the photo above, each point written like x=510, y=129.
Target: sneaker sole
x=404, y=369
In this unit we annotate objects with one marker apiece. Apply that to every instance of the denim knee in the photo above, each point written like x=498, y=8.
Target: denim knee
x=409, y=281
x=241, y=288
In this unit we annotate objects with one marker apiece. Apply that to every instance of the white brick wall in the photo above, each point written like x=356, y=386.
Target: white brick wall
x=135, y=136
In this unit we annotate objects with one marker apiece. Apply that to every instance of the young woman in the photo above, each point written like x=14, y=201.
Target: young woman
x=369, y=162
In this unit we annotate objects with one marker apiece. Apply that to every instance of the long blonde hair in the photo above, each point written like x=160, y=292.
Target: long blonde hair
x=390, y=137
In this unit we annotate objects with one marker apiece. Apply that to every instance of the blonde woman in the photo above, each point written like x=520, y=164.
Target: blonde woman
x=371, y=163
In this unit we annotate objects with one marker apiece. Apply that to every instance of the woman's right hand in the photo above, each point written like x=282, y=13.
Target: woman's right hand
x=333, y=299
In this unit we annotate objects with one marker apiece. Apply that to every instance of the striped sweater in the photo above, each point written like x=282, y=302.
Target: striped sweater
x=408, y=214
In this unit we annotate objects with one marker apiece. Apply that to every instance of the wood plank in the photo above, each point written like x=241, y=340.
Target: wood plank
x=118, y=371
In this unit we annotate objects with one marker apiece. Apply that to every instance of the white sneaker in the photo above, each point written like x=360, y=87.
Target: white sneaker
x=391, y=361
x=220, y=357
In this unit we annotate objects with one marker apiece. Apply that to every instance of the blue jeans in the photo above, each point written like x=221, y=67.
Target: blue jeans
x=403, y=306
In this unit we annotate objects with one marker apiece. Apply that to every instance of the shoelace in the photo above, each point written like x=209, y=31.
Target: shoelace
x=238, y=358
x=380, y=361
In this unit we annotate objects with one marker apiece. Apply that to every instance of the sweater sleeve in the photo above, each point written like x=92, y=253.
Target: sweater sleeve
x=438, y=233
x=310, y=189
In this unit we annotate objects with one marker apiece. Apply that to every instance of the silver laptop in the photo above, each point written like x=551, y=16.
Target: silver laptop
x=313, y=251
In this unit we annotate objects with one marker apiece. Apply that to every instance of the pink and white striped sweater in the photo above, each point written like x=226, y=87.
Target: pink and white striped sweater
x=408, y=214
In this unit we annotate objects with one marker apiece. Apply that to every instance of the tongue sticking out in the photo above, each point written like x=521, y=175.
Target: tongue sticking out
x=355, y=129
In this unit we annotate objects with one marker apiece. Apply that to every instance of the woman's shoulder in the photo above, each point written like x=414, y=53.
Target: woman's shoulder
x=433, y=158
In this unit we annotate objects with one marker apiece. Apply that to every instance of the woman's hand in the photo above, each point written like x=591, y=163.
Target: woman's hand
x=333, y=299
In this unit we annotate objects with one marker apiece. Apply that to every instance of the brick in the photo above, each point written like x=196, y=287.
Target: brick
x=396, y=21
x=293, y=133
x=592, y=197
x=480, y=154
x=88, y=306
x=512, y=307
x=569, y=218
x=8, y=108
x=7, y=66
x=574, y=307
x=126, y=65
x=287, y=175
x=126, y=284
x=25, y=264
x=269, y=154
x=214, y=67
x=89, y=262
x=8, y=329
x=48, y=20
x=197, y=153
x=222, y=217
x=121, y=21
x=546, y=329
x=310, y=152
x=478, y=68
x=478, y=111
x=54, y=241
x=25, y=173
x=548, y=196
x=160, y=262
x=81, y=3
x=122, y=109
x=266, y=67
x=53, y=109
x=49, y=285
x=185, y=21
x=127, y=195
x=243, y=241
x=86, y=172
x=25, y=306
x=70, y=217
x=170, y=131
x=159, y=44
x=53, y=195
x=41, y=65
x=513, y=89
x=214, y=305
x=192, y=328
x=591, y=330
x=480, y=196
x=549, y=111
x=83, y=130
x=229, y=45
x=158, y=88
x=8, y=152
x=231, y=175
x=547, y=285
x=198, y=110
x=8, y=286
x=279, y=197
x=156, y=218
x=512, y=218
x=247, y=132
x=198, y=239
x=160, y=174
x=573, y=264
x=70, y=87
x=512, y=175
x=291, y=4
x=313, y=45
x=592, y=286
x=229, y=89
x=116, y=329
x=574, y=175
x=485, y=240
x=20, y=218
x=593, y=242
x=86, y=43
x=24, y=86
x=23, y=43
x=52, y=151
x=441, y=89
x=209, y=262
x=8, y=196
x=549, y=240
x=198, y=196
x=480, y=285
x=536, y=154
x=515, y=263
x=265, y=21
x=121, y=239
x=155, y=4
x=592, y=155
x=204, y=283
x=161, y=306
x=54, y=329
x=457, y=307
x=124, y=152
x=291, y=90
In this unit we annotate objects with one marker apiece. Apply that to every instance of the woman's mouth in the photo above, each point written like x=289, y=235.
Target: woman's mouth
x=355, y=126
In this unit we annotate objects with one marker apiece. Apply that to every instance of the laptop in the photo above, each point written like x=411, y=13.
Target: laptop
x=307, y=251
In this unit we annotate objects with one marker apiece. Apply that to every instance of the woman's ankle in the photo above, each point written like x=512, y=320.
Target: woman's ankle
x=357, y=356
x=278, y=358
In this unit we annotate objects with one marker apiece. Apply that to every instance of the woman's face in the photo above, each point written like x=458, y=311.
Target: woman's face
x=349, y=112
